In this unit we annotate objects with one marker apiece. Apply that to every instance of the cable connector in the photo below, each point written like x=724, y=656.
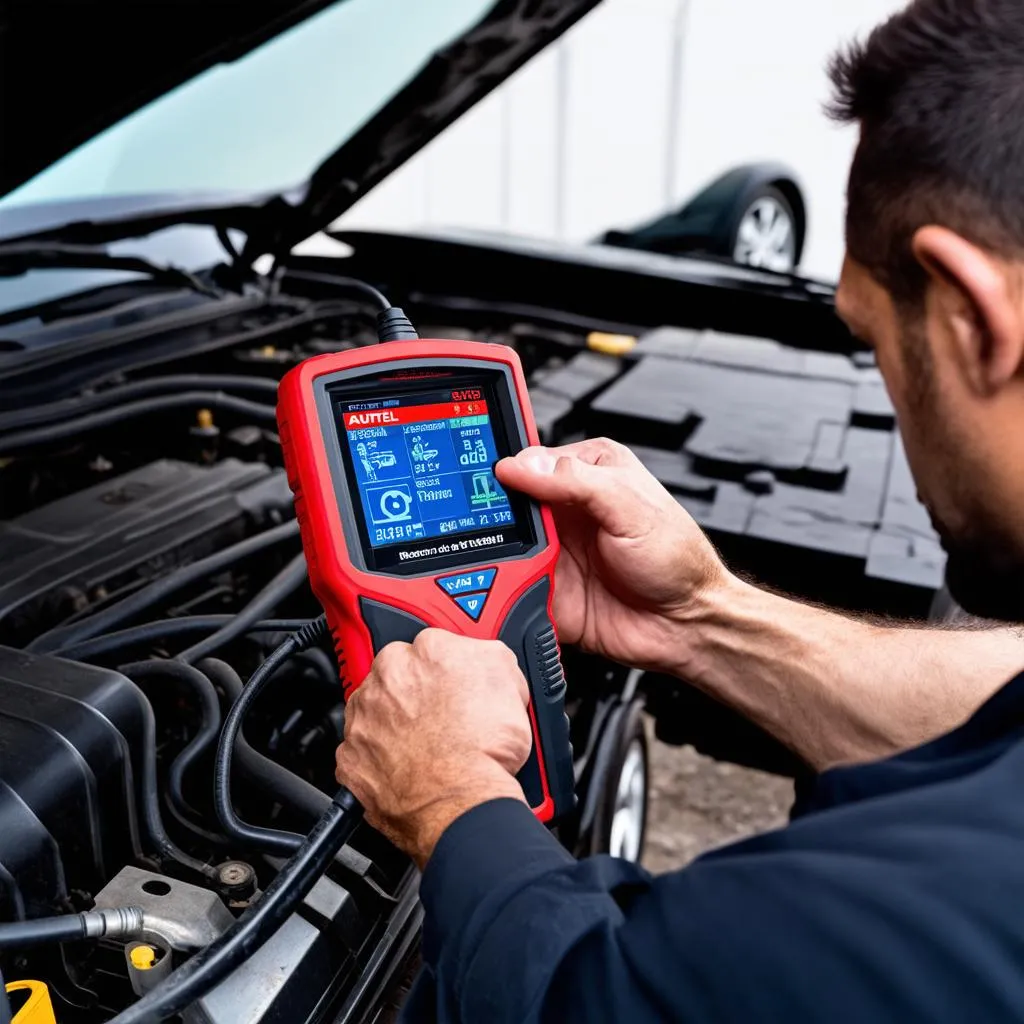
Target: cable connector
x=394, y=325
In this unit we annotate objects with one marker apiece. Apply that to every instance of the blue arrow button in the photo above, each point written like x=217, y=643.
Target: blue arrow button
x=467, y=582
x=472, y=604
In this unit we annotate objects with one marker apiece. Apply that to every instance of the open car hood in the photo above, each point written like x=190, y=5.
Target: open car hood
x=108, y=59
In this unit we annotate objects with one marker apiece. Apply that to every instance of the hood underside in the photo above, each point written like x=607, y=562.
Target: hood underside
x=107, y=60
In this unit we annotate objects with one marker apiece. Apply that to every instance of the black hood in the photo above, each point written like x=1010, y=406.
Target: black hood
x=70, y=70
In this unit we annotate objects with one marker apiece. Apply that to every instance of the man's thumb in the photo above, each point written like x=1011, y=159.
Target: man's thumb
x=561, y=480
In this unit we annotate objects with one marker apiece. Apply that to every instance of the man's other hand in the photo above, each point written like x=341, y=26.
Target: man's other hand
x=438, y=726
x=633, y=564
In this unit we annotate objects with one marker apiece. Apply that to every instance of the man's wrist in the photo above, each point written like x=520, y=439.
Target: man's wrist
x=689, y=625
x=459, y=789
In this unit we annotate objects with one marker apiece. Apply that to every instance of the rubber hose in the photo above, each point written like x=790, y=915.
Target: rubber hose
x=292, y=790
x=50, y=433
x=266, y=839
x=207, y=968
x=209, y=721
x=167, y=629
x=283, y=585
x=288, y=787
x=151, y=792
x=107, y=618
x=120, y=922
x=19, y=419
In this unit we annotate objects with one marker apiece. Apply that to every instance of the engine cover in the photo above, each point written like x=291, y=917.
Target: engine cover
x=73, y=552
x=71, y=740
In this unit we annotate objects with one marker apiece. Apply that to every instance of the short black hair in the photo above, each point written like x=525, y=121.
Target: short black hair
x=938, y=92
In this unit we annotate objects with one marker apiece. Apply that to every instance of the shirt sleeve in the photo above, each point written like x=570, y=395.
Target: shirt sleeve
x=847, y=919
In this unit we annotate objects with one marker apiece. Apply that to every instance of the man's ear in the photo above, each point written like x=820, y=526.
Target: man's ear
x=979, y=295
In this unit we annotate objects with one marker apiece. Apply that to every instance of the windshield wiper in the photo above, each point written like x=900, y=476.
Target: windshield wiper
x=18, y=257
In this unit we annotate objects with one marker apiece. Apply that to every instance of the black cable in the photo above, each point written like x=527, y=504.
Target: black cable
x=352, y=284
x=267, y=839
x=119, y=922
x=292, y=790
x=284, y=584
x=19, y=419
x=167, y=629
x=50, y=433
x=5, y=1006
x=211, y=965
x=392, y=323
x=151, y=790
x=113, y=615
x=269, y=776
x=209, y=722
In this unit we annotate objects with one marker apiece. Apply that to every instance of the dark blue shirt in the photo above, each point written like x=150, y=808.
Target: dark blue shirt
x=895, y=895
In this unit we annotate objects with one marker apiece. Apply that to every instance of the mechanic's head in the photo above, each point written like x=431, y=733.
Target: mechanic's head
x=934, y=274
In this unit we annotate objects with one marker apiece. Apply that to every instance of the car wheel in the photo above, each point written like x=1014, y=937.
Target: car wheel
x=621, y=822
x=766, y=232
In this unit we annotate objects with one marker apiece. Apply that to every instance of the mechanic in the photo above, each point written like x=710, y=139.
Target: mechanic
x=897, y=892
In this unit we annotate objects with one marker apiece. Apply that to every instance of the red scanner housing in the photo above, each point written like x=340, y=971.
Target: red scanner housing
x=367, y=605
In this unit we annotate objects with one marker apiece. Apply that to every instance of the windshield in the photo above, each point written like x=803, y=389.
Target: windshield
x=264, y=122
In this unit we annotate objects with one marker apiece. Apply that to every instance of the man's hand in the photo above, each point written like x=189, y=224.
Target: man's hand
x=633, y=562
x=438, y=727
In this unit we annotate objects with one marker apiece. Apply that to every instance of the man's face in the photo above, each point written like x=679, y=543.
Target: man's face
x=947, y=433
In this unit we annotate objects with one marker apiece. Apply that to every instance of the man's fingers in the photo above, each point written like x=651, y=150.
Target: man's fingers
x=593, y=474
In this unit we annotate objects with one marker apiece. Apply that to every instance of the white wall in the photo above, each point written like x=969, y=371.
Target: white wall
x=640, y=105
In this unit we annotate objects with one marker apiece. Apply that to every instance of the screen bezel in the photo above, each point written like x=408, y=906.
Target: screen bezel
x=386, y=380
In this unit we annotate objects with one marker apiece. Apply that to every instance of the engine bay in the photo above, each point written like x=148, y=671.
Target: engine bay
x=151, y=562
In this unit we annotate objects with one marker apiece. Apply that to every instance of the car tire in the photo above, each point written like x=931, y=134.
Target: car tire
x=766, y=235
x=620, y=824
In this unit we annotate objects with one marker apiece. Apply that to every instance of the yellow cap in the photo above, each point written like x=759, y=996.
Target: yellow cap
x=143, y=957
x=611, y=344
x=204, y=418
x=268, y=351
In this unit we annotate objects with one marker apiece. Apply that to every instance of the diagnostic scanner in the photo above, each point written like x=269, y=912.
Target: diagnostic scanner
x=390, y=452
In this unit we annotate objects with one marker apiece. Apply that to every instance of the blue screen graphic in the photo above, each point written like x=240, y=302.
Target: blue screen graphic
x=425, y=468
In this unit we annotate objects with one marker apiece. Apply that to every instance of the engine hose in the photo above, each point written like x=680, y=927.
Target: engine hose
x=50, y=433
x=151, y=794
x=266, y=839
x=20, y=419
x=118, y=923
x=209, y=723
x=283, y=585
x=292, y=790
x=211, y=965
x=107, y=618
x=167, y=629
x=277, y=780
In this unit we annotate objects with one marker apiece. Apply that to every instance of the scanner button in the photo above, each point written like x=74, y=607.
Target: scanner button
x=467, y=582
x=472, y=604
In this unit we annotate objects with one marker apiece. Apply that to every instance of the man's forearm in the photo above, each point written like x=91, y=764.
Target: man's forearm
x=834, y=689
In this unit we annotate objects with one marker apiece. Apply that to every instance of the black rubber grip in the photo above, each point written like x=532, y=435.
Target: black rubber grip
x=528, y=632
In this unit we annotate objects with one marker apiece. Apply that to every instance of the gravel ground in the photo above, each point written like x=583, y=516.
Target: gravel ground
x=698, y=804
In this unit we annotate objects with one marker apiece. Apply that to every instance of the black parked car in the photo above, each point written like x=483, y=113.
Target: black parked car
x=150, y=300
x=754, y=215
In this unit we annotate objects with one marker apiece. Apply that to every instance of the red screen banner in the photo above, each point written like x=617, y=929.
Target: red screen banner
x=413, y=414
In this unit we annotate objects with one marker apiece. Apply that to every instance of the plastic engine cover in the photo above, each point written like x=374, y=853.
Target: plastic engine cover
x=70, y=750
